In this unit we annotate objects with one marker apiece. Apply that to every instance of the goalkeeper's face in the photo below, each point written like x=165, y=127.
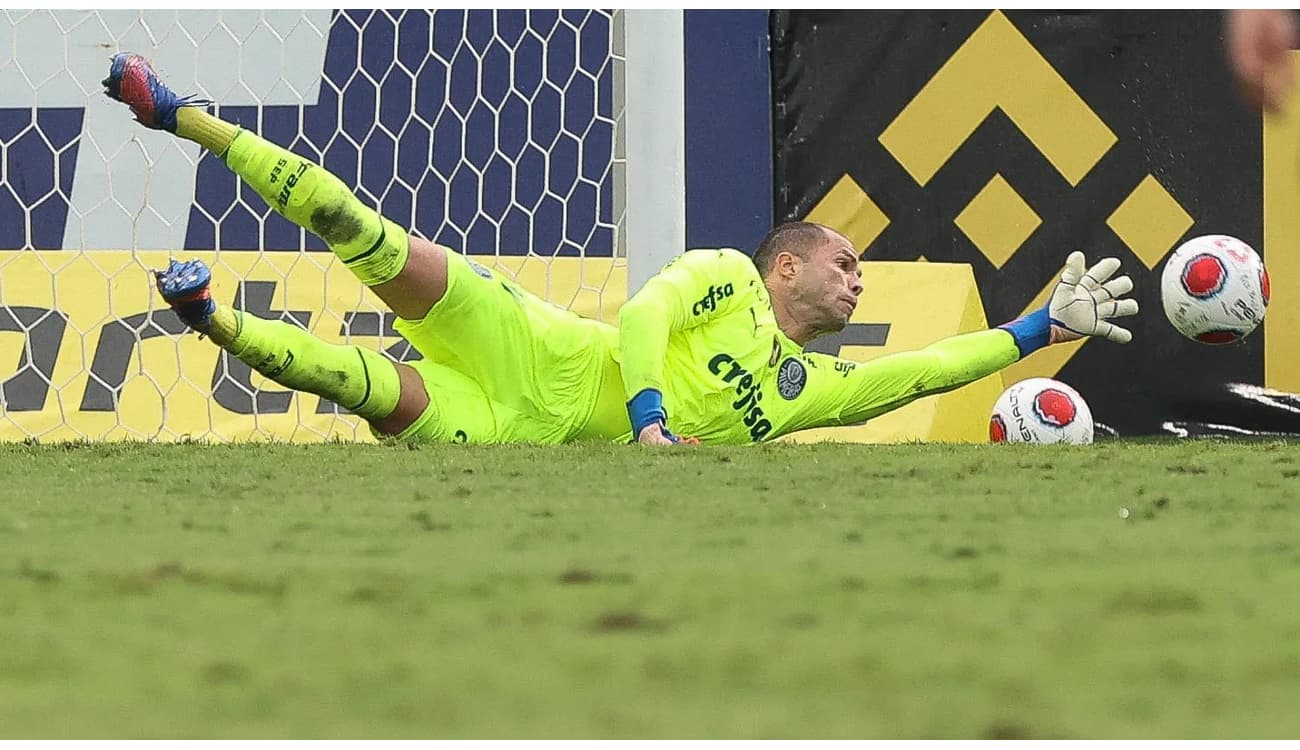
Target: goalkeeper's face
x=829, y=282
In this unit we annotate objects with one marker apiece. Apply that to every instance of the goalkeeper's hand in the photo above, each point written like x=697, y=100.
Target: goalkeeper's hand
x=648, y=417
x=656, y=434
x=1085, y=301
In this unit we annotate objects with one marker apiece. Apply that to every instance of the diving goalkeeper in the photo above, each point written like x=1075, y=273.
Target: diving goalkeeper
x=711, y=349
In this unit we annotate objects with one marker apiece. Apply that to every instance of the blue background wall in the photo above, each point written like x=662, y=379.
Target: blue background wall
x=728, y=128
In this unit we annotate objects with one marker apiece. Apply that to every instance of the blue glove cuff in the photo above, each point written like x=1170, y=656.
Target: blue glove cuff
x=646, y=408
x=1032, y=332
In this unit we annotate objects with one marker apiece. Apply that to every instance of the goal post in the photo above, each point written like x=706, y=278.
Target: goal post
x=547, y=143
x=655, y=124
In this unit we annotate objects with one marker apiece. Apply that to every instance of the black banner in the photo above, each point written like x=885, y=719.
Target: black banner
x=1007, y=140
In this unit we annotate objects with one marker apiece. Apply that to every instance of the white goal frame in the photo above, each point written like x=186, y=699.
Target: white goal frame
x=86, y=295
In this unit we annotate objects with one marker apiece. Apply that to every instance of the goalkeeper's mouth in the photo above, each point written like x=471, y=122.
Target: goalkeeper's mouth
x=851, y=302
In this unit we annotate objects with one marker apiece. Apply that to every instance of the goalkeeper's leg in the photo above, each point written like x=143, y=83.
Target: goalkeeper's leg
x=408, y=273
x=390, y=396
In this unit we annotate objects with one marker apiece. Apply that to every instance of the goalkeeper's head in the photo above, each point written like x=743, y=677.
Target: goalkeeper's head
x=812, y=274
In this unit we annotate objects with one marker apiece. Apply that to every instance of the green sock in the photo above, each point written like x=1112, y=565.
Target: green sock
x=361, y=380
x=374, y=248
x=208, y=131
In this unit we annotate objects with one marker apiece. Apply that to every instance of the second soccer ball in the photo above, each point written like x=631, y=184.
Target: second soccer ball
x=1214, y=289
x=1041, y=410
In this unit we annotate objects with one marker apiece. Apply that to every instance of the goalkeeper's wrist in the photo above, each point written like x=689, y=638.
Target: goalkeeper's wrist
x=646, y=408
x=1031, y=332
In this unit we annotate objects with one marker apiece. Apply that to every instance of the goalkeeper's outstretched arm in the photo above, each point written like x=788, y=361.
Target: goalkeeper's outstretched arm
x=840, y=392
x=1084, y=303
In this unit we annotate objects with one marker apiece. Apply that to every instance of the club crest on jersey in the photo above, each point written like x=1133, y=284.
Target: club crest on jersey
x=790, y=379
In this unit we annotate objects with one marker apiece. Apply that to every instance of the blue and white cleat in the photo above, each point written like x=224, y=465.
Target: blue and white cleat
x=132, y=81
x=184, y=286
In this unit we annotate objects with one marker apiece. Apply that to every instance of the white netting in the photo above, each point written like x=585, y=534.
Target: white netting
x=493, y=132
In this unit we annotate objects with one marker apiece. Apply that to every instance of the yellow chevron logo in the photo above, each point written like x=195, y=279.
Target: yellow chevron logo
x=997, y=68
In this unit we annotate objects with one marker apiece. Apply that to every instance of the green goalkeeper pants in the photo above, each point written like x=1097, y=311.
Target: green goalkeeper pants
x=501, y=365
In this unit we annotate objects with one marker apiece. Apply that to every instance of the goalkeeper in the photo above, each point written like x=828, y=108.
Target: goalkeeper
x=712, y=348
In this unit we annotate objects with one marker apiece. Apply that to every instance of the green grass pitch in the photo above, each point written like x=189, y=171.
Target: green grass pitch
x=781, y=591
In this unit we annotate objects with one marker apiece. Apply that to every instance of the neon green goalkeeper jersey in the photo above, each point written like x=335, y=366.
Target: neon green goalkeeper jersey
x=703, y=333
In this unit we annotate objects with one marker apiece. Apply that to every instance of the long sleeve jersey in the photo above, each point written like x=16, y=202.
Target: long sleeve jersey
x=703, y=333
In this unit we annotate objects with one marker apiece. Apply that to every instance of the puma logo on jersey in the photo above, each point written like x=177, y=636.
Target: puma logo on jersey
x=749, y=392
x=710, y=301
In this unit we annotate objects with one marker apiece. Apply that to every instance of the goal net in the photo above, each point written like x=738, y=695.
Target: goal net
x=496, y=133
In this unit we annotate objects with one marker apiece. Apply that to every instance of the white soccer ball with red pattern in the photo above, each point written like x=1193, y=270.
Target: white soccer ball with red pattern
x=1214, y=289
x=1041, y=410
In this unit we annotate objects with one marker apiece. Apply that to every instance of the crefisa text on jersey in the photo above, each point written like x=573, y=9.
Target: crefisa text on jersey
x=748, y=388
x=710, y=301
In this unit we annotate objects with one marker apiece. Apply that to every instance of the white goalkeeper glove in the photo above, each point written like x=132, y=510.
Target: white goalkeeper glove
x=1085, y=302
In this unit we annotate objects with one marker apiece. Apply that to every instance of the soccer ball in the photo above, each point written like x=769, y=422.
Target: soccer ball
x=1214, y=289
x=1041, y=410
